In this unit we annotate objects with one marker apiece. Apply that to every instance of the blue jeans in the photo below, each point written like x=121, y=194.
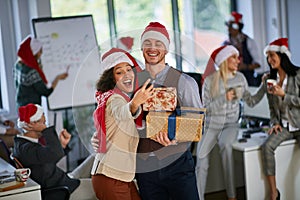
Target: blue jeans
x=177, y=181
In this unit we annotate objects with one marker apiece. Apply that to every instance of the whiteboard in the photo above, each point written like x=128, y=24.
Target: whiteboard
x=69, y=44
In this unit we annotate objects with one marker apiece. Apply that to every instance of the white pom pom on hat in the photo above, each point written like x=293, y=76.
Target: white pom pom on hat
x=35, y=45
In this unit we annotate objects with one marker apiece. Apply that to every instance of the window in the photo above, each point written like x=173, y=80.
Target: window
x=98, y=9
x=202, y=31
x=133, y=16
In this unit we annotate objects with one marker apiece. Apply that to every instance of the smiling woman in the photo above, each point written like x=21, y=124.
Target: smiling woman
x=116, y=127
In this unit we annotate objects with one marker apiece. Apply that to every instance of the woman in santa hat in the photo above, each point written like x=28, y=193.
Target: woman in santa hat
x=115, y=162
x=284, y=104
x=30, y=80
x=223, y=88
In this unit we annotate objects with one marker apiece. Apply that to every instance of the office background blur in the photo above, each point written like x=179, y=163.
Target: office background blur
x=196, y=26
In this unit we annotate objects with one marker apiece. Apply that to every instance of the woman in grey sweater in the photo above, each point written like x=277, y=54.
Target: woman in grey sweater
x=221, y=94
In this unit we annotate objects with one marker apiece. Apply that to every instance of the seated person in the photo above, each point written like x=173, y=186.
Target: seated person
x=42, y=158
x=7, y=131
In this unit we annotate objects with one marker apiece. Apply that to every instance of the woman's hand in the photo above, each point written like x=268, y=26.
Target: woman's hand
x=230, y=94
x=58, y=78
x=141, y=96
x=64, y=138
x=276, y=90
x=275, y=129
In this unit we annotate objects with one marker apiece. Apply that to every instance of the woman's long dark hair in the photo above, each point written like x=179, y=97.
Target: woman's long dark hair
x=106, y=81
x=288, y=67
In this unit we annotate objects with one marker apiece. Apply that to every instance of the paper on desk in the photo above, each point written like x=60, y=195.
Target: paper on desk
x=259, y=134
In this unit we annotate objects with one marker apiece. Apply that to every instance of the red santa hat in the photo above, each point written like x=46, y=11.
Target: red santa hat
x=235, y=20
x=217, y=57
x=125, y=43
x=25, y=53
x=280, y=45
x=114, y=57
x=29, y=113
x=35, y=45
x=156, y=30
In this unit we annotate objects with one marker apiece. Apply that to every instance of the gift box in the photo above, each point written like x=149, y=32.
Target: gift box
x=165, y=99
x=184, y=124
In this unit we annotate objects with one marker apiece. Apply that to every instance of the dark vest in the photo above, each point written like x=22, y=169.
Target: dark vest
x=145, y=144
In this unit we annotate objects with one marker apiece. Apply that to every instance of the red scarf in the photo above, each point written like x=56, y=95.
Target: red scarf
x=28, y=58
x=99, y=116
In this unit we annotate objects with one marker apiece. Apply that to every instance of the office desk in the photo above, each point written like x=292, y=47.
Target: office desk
x=31, y=190
x=287, y=168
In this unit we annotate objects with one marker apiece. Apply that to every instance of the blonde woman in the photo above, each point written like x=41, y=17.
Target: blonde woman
x=222, y=91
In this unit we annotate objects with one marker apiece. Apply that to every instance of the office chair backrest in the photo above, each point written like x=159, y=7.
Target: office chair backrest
x=5, y=153
x=57, y=193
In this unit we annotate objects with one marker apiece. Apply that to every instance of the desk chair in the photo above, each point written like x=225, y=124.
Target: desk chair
x=57, y=193
x=5, y=153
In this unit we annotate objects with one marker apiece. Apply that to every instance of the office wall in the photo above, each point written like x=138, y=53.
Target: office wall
x=293, y=16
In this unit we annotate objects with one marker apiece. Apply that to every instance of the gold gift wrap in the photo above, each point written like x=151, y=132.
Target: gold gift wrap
x=188, y=125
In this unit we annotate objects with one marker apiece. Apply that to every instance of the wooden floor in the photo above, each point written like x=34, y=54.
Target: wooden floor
x=222, y=195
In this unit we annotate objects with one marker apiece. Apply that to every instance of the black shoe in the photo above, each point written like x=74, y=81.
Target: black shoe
x=278, y=195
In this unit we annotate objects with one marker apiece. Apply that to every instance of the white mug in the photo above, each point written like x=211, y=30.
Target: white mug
x=22, y=174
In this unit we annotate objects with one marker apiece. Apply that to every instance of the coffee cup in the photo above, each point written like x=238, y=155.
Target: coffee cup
x=22, y=174
x=271, y=83
x=238, y=92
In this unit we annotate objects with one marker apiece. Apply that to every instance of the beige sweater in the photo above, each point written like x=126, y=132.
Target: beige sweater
x=119, y=162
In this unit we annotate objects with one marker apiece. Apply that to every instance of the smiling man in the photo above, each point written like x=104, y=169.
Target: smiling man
x=166, y=171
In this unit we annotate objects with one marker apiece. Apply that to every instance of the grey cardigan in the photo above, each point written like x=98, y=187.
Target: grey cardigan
x=291, y=100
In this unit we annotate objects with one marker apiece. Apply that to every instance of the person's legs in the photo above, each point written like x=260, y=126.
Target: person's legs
x=226, y=139
x=268, y=158
x=176, y=181
x=180, y=179
x=201, y=175
x=203, y=150
x=150, y=187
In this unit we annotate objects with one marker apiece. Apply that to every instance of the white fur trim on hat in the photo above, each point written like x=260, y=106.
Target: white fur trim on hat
x=38, y=114
x=156, y=35
x=114, y=59
x=35, y=45
x=225, y=53
x=276, y=48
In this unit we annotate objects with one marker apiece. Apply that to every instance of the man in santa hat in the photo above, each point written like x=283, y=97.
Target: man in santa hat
x=166, y=171
x=41, y=156
x=248, y=51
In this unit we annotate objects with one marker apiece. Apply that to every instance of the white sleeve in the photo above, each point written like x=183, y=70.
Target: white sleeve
x=2, y=130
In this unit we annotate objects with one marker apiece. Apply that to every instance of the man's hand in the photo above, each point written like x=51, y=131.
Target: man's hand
x=95, y=142
x=35, y=126
x=9, y=123
x=162, y=138
x=64, y=138
x=12, y=131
